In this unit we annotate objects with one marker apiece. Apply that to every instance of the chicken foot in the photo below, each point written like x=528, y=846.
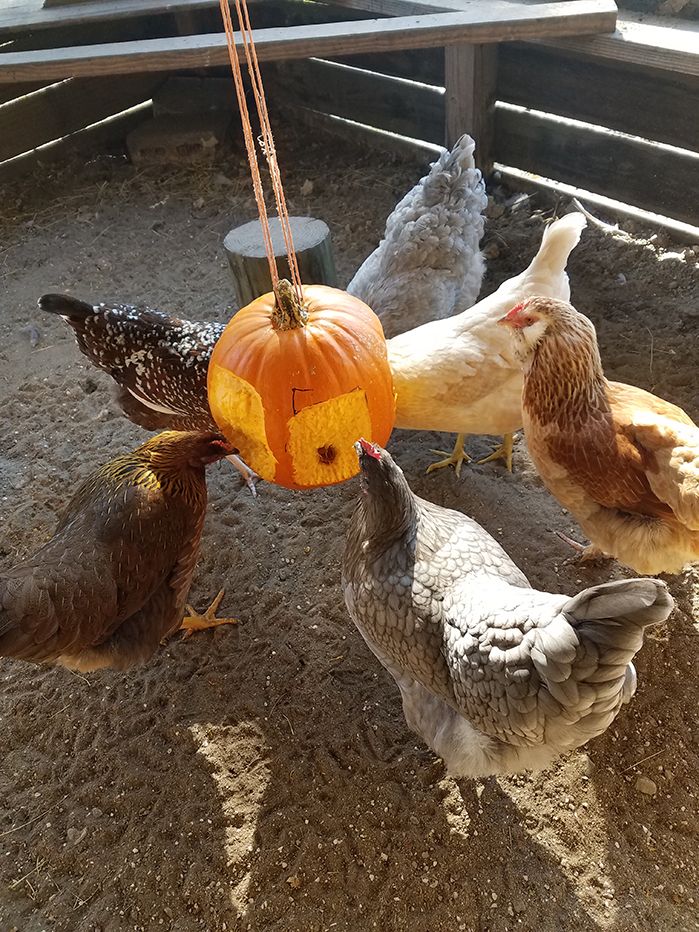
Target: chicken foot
x=503, y=452
x=456, y=458
x=249, y=475
x=196, y=622
x=585, y=553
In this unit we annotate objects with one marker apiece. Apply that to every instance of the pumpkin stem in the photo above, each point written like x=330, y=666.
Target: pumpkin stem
x=288, y=313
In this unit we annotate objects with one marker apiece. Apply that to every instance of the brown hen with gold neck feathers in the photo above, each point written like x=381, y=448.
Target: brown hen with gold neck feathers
x=624, y=462
x=113, y=579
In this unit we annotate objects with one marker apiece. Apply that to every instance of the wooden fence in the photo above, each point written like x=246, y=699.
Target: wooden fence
x=616, y=115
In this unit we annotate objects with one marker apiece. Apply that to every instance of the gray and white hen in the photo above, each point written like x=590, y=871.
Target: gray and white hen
x=495, y=676
x=429, y=265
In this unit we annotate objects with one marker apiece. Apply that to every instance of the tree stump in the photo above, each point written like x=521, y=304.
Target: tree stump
x=246, y=255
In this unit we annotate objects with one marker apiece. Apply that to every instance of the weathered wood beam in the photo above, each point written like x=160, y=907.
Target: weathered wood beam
x=92, y=139
x=61, y=109
x=611, y=93
x=383, y=101
x=496, y=21
x=33, y=15
x=627, y=169
x=470, y=75
x=652, y=43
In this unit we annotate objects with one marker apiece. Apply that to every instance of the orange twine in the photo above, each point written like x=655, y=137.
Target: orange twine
x=267, y=140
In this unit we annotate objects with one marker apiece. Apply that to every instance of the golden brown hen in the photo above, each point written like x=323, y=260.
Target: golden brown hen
x=624, y=462
x=113, y=580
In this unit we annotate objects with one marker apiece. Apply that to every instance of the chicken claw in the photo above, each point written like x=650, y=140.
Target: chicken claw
x=196, y=622
x=585, y=554
x=249, y=475
x=503, y=452
x=455, y=458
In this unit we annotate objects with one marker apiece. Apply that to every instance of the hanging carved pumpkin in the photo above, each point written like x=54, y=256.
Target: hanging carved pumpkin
x=294, y=386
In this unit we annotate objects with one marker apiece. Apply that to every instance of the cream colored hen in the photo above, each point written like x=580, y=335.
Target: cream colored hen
x=461, y=374
x=624, y=462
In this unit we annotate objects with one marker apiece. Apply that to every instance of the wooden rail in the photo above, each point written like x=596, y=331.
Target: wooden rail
x=496, y=21
x=653, y=104
x=390, y=103
x=633, y=171
x=66, y=108
x=35, y=15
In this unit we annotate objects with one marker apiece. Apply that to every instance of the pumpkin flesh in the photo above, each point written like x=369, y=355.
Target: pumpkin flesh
x=294, y=400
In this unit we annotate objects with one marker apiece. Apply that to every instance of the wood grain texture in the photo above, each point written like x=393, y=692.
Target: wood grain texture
x=94, y=139
x=32, y=14
x=619, y=167
x=470, y=74
x=602, y=92
x=481, y=23
x=654, y=42
x=249, y=266
x=651, y=43
x=65, y=108
x=383, y=101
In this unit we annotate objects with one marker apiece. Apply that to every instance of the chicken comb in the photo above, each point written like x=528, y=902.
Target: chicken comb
x=371, y=449
x=515, y=310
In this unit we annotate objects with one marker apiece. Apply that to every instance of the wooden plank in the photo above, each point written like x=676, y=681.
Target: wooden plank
x=13, y=91
x=32, y=14
x=496, y=21
x=649, y=41
x=94, y=139
x=597, y=203
x=646, y=175
x=470, y=79
x=602, y=92
x=425, y=65
x=652, y=43
x=361, y=137
x=389, y=103
x=65, y=108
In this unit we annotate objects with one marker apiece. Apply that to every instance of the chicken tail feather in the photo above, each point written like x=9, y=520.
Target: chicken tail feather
x=72, y=309
x=559, y=240
x=610, y=621
x=640, y=602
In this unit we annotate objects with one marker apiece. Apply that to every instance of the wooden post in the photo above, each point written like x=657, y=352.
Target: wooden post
x=470, y=74
x=246, y=255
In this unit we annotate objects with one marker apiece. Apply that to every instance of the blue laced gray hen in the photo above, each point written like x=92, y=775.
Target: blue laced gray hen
x=495, y=676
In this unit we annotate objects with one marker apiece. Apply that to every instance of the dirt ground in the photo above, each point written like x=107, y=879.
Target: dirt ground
x=262, y=776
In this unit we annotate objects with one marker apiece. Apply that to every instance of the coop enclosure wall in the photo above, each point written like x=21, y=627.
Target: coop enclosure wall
x=621, y=129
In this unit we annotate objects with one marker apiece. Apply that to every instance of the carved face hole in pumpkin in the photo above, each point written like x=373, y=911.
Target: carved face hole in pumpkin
x=327, y=455
x=302, y=437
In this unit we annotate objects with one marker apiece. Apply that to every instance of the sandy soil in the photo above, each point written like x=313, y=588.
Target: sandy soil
x=262, y=777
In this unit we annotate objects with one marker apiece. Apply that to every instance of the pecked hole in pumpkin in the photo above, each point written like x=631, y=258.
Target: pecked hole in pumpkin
x=321, y=438
x=326, y=455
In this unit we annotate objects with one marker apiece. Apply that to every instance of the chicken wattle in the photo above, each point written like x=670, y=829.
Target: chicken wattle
x=624, y=462
x=461, y=374
x=495, y=676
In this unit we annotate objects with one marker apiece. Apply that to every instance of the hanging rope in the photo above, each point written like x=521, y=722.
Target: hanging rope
x=267, y=141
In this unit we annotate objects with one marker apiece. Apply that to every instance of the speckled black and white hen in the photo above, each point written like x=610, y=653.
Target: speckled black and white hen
x=495, y=676
x=158, y=362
